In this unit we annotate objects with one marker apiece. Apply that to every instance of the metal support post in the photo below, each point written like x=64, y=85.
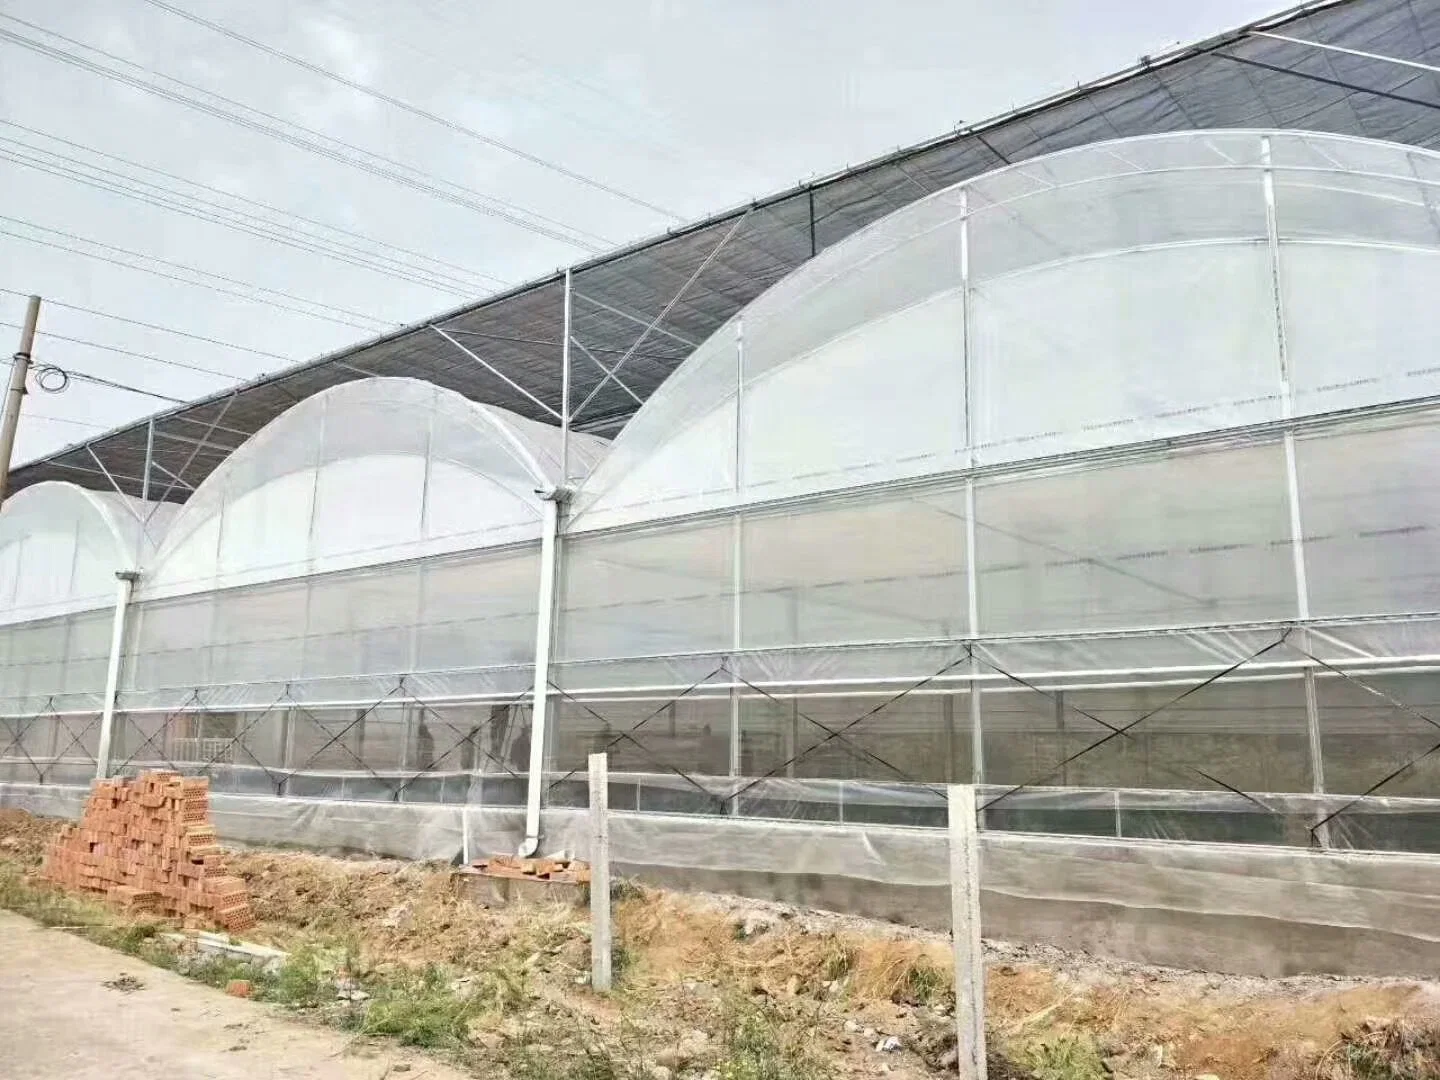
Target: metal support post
x=965, y=933
x=553, y=502
x=143, y=520
x=977, y=740
x=972, y=571
x=283, y=738
x=288, y=760
x=149, y=460
x=19, y=369
x=947, y=716
x=737, y=567
x=125, y=585
x=1292, y=483
x=565, y=386
x=1064, y=740
x=601, y=950
x=792, y=739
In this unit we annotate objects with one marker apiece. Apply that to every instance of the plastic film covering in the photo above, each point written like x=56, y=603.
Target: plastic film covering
x=1198, y=735
x=885, y=855
x=60, y=546
x=373, y=471
x=457, y=625
x=877, y=870
x=403, y=750
x=1098, y=297
x=1210, y=906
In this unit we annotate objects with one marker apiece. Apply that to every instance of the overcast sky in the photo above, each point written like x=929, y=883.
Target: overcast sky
x=679, y=108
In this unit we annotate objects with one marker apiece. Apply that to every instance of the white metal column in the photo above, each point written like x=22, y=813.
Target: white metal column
x=540, y=693
x=972, y=573
x=1292, y=482
x=737, y=567
x=565, y=324
x=124, y=587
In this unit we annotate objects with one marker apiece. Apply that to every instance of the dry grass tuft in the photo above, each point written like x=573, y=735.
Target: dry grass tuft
x=404, y=914
x=676, y=938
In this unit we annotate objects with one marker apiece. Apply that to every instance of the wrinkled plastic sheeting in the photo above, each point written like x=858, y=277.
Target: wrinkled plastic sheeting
x=404, y=831
x=1395, y=896
x=43, y=800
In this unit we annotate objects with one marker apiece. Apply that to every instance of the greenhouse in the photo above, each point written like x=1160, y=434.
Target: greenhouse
x=1099, y=480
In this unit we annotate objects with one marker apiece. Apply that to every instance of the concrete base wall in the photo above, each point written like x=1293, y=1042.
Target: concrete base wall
x=1226, y=941
x=1236, y=908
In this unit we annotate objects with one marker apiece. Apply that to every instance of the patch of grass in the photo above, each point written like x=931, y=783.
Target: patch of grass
x=1063, y=1056
x=134, y=939
x=220, y=971
x=839, y=962
x=622, y=960
x=925, y=984
x=593, y=1062
x=502, y=987
x=302, y=981
x=1369, y=1063
x=759, y=1045
x=1396, y=1051
x=421, y=1010
x=46, y=905
x=567, y=1050
x=622, y=889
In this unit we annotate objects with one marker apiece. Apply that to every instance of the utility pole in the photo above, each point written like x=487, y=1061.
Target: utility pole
x=19, y=369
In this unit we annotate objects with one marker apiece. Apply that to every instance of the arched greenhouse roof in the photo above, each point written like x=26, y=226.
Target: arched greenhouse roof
x=1113, y=294
x=61, y=545
x=372, y=471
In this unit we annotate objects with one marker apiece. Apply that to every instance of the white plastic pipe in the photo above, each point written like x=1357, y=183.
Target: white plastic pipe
x=124, y=586
x=540, y=694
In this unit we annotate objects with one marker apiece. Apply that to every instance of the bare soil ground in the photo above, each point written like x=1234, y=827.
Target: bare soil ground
x=730, y=989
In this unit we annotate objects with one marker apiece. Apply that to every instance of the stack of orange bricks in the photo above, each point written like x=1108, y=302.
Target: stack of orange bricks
x=149, y=845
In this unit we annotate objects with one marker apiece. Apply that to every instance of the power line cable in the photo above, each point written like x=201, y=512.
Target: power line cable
x=183, y=281
x=401, y=253
x=51, y=302
x=348, y=154
x=67, y=373
x=30, y=415
x=230, y=375
x=414, y=110
x=255, y=227
x=370, y=327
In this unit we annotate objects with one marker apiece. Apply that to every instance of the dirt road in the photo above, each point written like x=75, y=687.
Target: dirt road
x=59, y=1019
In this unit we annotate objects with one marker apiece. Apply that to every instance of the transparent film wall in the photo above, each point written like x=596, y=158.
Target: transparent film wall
x=1131, y=438
x=370, y=472
x=1100, y=481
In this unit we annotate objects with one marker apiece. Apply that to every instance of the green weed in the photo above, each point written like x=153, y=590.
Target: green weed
x=759, y=1046
x=926, y=985
x=589, y=1063
x=1063, y=1057
x=421, y=1010
x=839, y=962
x=302, y=981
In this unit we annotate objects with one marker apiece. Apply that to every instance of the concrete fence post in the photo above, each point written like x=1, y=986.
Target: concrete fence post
x=965, y=930
x=600, y=932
